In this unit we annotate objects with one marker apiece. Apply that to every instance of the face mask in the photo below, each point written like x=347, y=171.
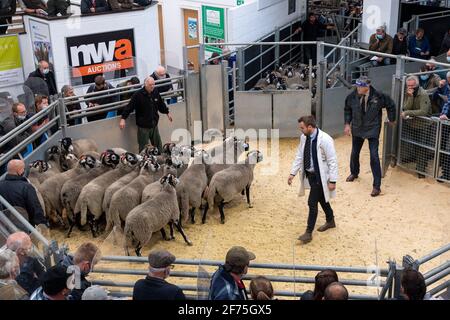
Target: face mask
x=448, y=59
x=44, y=106
x=380, y=37
x=21, y=117
x=45, y=71
x=424, y=77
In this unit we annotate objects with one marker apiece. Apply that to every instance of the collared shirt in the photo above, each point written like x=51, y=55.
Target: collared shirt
x=313, y=137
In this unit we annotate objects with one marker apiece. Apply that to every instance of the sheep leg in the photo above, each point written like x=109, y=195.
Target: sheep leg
x=72, y=224
x=222, y=214
x=205, y=211
x=192, y=214
x=171, y=231
x=138, y=250
x=180, y=230
x=164, y=235
x=247, y=191
x=93, y=223
x=243, y=192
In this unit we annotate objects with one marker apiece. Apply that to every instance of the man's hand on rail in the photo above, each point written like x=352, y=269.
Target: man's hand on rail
x=122, y=124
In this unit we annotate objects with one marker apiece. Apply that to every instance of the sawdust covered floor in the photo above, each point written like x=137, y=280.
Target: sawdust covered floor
x=411, y=217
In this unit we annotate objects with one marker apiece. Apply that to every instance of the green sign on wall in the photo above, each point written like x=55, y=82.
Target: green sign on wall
x=213, y=27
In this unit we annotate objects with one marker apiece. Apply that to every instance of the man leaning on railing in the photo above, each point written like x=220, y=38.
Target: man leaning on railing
x=7, y=9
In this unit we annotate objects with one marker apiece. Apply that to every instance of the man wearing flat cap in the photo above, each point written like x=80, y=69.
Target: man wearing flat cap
x=226, y=283
x=154, y=286
x=363, y=121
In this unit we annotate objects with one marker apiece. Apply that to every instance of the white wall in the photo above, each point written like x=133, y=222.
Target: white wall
x=377, y=13
x=146, y=39
x=247, y=24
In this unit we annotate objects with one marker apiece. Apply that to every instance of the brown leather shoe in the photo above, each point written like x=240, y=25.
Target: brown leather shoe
x=306, y=237
x=326, y=226
x=375, y=192
x=351, y=178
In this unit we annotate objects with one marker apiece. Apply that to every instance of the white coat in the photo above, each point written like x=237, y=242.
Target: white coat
x=328, y=165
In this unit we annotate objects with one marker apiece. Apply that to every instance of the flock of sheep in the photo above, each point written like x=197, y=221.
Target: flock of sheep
x=139, y=194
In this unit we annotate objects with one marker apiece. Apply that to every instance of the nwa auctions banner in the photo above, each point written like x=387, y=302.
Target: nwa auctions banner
x=110, y=53
x=213, y=28
x=11, y=71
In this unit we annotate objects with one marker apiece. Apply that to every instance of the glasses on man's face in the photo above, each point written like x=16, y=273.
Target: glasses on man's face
x=22, y=113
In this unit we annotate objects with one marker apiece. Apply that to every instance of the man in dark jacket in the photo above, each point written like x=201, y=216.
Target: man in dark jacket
x=100, y=85
x=154, y=286
x=7, y=9
x=19, y=115
x=445, y=46
x=311, y=30
x=84, y=260
x=20, y=193
x=43, y=72
x=161, y=74
x=226, y=282
x=400, y=43
x=93, y=6
x=419, y=46
x=363, y=120
x=147, y=102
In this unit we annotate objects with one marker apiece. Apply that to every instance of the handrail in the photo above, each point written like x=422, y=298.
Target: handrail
x=434, y=254
x=24, y=221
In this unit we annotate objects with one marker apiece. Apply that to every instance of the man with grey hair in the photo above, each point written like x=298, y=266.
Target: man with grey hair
x=417, y=103
x=9, y=269
x=383, y=43
x=31, y=269
x=148, y=104
x=165, y=86
x=154, y=286
x=20, y=193
x=336, y=291
x=363, y=120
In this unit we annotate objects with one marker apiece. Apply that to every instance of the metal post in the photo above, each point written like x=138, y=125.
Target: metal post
x=203, y=96
x=225, y=95
x=397, y=94
x=320, y=82
x=241, y=69
x=62, y=116
x=397, y=281
x=185, y=59
x=277, y=48
x=201, y=54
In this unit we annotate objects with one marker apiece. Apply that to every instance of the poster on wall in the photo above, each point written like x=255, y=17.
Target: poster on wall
x=11, y=72
x=111, y=54
x=41, y=42
x=192, y=28
x=213, y=28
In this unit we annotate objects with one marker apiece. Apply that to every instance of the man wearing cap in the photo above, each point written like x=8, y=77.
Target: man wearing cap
x=400, y=43
x=381, y=42
x=154, y=286
x=226, y=283
x=56, y=284
x=363, y=120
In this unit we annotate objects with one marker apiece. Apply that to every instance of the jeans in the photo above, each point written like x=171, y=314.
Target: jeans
x=144, y=134
x=375, y=165
x=385, y=62
x=316, y=196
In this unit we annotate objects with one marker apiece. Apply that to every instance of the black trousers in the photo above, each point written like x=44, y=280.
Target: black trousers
x=316, y=196
x=309, y=52
x=375, y=164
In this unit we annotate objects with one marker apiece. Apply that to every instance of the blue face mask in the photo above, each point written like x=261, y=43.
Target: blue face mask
x=380, y=37
x=424, y=77
x=448, y=59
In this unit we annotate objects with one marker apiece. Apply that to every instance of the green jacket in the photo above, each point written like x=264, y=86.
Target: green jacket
x=418, y=106
x=383, y=46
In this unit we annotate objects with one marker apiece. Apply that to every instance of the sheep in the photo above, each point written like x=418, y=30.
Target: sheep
x=78, y=147
x=59, y=161
x=89, y=203
x=72, y=188
x=152, y=216
x=239, y=146
x=230, y=182
x=129, y=197
x=51, y=188
x=122, y=182
x=190, y=189
x=35, y=176
x=267, y=83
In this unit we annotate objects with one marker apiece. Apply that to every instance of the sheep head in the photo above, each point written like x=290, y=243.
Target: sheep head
x=109, y=158
x=169, y=179
x=66, y=144
x=168, y=148
x=86, y=161
x=151, y=164
x=254, y=157
x=41, y=165
x=130, y=159
x=150, y=150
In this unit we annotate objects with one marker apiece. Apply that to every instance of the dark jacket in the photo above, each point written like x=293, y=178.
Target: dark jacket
x=152, y=288
x=368, y=124
x=75, y=294
x=30, y=272
x=20, y=193
x=165, y=87
x=224, y=287
x=8, y=7
x=400, y=47
x=100, y=6
x=147, y=106
x=48, y=78
x=101, y=101
x=445, y=43
x=9, y=124
x=312, y=31
x=415, y=50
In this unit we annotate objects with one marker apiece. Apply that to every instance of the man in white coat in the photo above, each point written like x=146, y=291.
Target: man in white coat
x=316, y=161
